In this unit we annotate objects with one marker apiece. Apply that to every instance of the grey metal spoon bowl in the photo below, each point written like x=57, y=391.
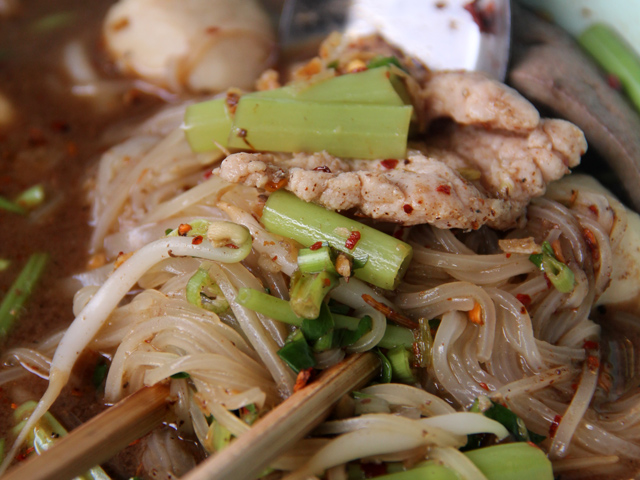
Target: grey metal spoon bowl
x=442, y=34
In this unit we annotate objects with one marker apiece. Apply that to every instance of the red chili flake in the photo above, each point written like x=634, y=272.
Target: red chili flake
x=274, y=258
x=352, y=240
x=316, y=246
x=590, y=345
x=389, y=163
x=593, y=363
x=524, y=299
x=483, y=17
x=594, y=209
x=574, y=386
x=272, y=186
x=266, y=243
x=446, y=189
x=508, y=255
x=614, y=82
x=303, y=378
x=135, y=442
x=592, y=243
x=207, y=174
x=232, y=246
x=183, y=229
x=197, y=240
x=24, y=454
x=322, y=168
x=76, y=392
x=212, y=30
x=553, y=428
x=372, y=469
x=407, y=209
x=14, y=406
x=390, y=313
x=484, y=386
x=549, y=284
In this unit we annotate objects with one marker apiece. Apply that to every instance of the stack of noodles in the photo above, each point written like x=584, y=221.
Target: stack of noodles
x=533, y=360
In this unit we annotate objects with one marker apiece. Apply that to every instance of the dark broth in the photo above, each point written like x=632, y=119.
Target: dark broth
x=55, y=141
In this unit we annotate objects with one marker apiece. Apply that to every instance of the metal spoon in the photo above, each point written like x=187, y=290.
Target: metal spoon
x=443, y=34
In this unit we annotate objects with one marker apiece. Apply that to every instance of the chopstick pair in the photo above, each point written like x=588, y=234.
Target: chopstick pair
x=109, y=432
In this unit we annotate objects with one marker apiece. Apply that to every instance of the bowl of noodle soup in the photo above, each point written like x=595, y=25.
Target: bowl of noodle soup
x=490, y=328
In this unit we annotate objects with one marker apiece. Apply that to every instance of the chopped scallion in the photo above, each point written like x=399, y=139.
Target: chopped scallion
x=15, y=298
x=296, y=352
x=386, y=370
x=395, y=335
x=268, y=305
x=314, y=329
x=9, y=206
x=218, y=436
x=31, y=198
x=308, y=291
x=559, y=274
x=399, y=358
x=514, y=424
x=180, y=375
x=99, y=373
x=343, y=337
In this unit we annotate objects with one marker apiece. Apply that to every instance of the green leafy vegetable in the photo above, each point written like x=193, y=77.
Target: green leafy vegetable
x=308, y=291
x=344, y=130
x=318, y=327
x=23, y=286
x=296, y=352
x=399, y=358
x=514, y=424
x=559, y=274
x=307, y=223
x=268, y=305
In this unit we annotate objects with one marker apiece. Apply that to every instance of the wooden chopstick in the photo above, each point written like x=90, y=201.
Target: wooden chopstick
x=272, y=435
x=99, y=439
x=105, y=435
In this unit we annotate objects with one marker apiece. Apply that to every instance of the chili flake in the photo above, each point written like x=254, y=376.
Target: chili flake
x=197, y=240
x=407, y=209
x=484, y=386
x=232, y=246
x=524, y=299
x=272, y=186
x=316, y=246
x=352, y=240
x=446, y=189
x=303, y=378
x=183, y=229
x=389, y=163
